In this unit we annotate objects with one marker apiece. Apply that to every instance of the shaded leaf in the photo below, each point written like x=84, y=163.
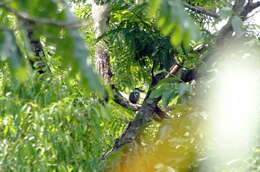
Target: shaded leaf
x=166, y=97
x=183, y=88
x=10, y=51
x=237, y=25
x=156, y=93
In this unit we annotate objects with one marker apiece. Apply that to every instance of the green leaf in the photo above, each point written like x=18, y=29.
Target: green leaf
x=177, y=37
x=79, y=57
x=154, y=5
x=173, y=21
x=183, y=88
x=168, y=29
x=170, y=80
x=225, y=12
x=10, y=51
x=156, y=93
x=70, y=44
x=166, y=97
x=237, y=25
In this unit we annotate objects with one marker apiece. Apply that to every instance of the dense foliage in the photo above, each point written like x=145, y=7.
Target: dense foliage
x=57, y=114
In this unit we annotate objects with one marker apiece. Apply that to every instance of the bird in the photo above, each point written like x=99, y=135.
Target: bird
x=135, y=95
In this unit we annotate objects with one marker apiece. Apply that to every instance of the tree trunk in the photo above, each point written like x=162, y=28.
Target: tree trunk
x=37, y=62
x=100, y=14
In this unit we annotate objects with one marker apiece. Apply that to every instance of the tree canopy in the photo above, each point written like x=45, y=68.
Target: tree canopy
x=67, y=68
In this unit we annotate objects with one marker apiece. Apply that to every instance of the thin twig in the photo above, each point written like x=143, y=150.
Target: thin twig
x=202, y=10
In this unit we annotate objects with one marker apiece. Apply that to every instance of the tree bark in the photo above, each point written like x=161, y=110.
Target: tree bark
x=38, y=62
x=100, y=14
x=201, y=10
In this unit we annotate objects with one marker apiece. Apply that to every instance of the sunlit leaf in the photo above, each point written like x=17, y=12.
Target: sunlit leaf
x=154, y=5
x=174, y=22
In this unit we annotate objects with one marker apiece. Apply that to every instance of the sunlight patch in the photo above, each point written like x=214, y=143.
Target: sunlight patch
x=234, y=106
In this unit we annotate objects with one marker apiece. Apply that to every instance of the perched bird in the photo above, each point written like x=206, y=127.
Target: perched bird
x=135, y=95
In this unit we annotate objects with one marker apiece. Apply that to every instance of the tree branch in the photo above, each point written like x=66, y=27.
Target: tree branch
x=38, y=63
x=27, y=17
x=202, y=10
x=146, y=113
x=239, y=9
x=254, y=5
x=121, y=100
x=249, y=8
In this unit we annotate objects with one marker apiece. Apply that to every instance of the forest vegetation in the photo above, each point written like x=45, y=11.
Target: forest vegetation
x=129, y=85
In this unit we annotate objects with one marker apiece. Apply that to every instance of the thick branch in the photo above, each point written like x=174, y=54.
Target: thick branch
x=201, y=10
x=254, y=5
x=239, y=9
x=249, y=8
x=238, y=6
x=121, y=100
x=146, y=113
